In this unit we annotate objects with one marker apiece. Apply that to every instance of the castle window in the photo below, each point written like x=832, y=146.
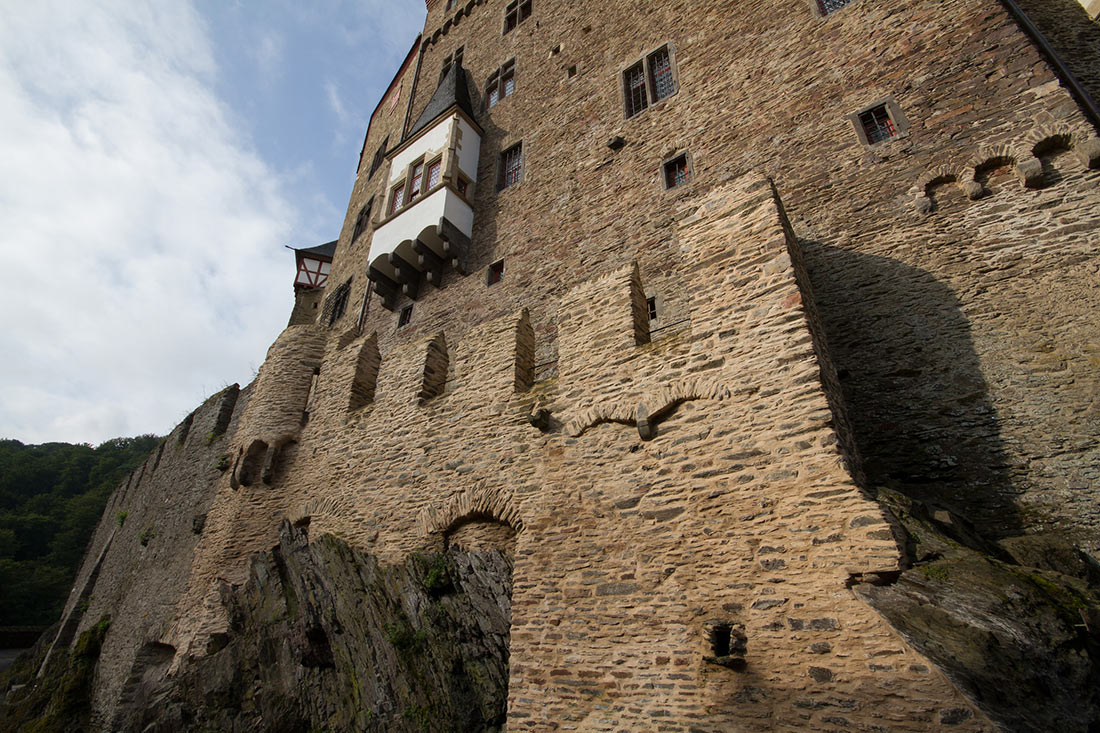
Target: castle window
x=649, y=80
x=415, y=181
x=501, y=84
x=828, y=6
x=495, y=273
x=435, y=168
x=337, y=303
x=450, y=6
x=677, y=171
x=515, y=13
x=405, y=316
x=363, y=220
x=398, y=198
x=879, y=123
x=651, y=306
x=452, y=59
x=379, y=156
x=511, y=166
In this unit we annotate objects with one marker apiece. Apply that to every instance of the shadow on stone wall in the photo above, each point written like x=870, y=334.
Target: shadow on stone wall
x=918, y=402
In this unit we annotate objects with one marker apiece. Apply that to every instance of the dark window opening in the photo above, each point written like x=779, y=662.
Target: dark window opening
x=877, y=124
x=515, y=13
x=648, y=81
x=828, y=6
x=452, y=59
x=660, y=74
x=511, y=166
x=501, y=84
x=496, y=273
x=651, y=306
x=363, y=220
x=720, y=640
x=450, y=5
x=462, y=185
x=339, y=302
x=405, y=316
x=634, y=86
x=677, y=172
x=379, y=156
x=571, y=71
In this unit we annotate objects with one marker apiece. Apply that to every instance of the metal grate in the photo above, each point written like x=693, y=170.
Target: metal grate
x=676, y=172
x=634, y=83
x=660, y=69
x=877, y=124
x=828, y=6
x=511, y=166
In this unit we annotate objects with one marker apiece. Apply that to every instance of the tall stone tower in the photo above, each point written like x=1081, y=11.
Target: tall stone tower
x=654, y=301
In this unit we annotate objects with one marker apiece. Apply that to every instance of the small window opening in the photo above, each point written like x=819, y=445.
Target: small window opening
x=515, y=13
x=362, y=220
x=511, y=166
x=720, y=640
x=379, y=156
x=828, y=6
x=496, y=273
x=451, y=59
x=571, y=71
x=339, y=302
x=677, y=172
x=877, y=124
x=501, y=84
x=660, y=74
x=397, y=198
x=450, y=5
x=434, y=170
x=414, y=183
x=651, y=306
x=462, y=185
x=634, y=86
x=405, y=316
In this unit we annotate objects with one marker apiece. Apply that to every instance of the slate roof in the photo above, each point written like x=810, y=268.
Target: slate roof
x=454, y=89
x=325, y=250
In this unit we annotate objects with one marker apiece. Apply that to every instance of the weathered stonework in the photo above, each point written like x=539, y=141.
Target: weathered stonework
x=686, y=490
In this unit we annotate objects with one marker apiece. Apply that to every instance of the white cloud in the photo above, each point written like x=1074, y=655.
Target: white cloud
x=142, y=235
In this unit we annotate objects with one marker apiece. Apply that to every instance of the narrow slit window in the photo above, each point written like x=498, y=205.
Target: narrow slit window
x=877, y=124
x=720, y=637
x=379, y=156
x=405, y=316
x=660, y=74
x=415, y=181
x=434, y=171
x=651, y=306
x=495, y=274
x=634, y=86
x=677, y=172
x=363, y=220
x=511, y=166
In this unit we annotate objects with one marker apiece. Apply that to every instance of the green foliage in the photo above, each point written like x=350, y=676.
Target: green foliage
x=120, y=518
x=433, y=573
x=211, y=437
x=61, y=700
x=223, y=462
x=934, y=572
x=51, y=497
x=146, y=536
x=403, y=638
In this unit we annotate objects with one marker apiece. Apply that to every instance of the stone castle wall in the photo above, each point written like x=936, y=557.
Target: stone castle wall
x=917, y=315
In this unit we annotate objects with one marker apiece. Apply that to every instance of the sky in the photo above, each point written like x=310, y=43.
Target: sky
x=156, y=157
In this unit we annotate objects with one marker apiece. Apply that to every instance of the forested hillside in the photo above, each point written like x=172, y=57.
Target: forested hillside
x=51, y=497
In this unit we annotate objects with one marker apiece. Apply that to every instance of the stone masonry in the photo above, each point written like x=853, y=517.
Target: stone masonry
x=687, y=494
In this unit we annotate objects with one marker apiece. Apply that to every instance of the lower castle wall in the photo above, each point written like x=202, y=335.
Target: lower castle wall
x=147, y=537
x=740, y=510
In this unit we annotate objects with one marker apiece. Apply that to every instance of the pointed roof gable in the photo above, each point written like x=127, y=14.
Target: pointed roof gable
x=453, y=90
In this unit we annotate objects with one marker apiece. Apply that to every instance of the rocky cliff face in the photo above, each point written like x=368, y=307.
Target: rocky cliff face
x=322, y=637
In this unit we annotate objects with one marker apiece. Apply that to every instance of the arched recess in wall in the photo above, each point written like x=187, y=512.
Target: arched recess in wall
x=366, y=374
x=480, y=519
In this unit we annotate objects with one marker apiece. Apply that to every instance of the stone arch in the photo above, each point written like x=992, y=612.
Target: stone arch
x=984, y=162
x=655, y=403
x=932, y=179
x=483, y=517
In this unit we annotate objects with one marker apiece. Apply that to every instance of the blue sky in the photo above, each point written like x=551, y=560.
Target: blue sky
x=155, y=157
